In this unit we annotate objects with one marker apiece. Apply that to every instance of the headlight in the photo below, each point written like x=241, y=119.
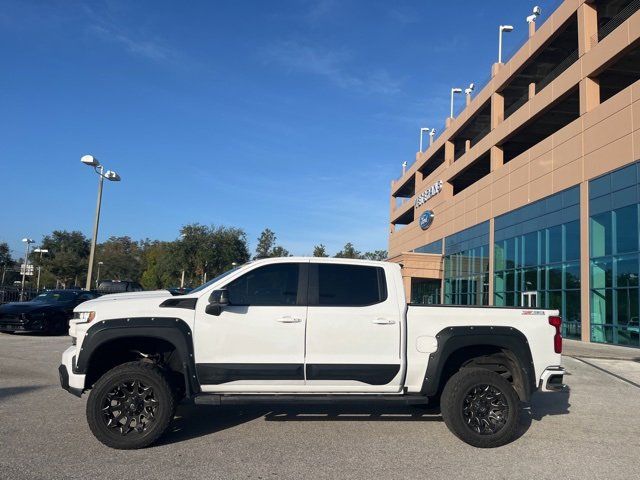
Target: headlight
x=84, y=316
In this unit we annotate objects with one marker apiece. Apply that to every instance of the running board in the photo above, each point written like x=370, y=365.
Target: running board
x=278, y=399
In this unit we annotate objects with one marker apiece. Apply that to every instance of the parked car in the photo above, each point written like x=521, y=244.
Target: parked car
x=48, y=312
x=118, y=286
x=179, y=290
x=306, y=330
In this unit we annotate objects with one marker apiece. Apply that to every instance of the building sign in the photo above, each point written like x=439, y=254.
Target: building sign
x=426, y=219
x=433, y=190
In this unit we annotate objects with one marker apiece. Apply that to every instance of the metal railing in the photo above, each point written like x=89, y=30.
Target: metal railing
x=615, y=21
x=12, y=294
x=483, y=133
x=555, y=73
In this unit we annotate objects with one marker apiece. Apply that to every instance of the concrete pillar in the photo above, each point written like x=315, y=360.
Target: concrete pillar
x=587, y=26
x=532, y=89
x=407, y=288
x=589, y=94
x=532, y=29
x=585, y=305
x=497, y=109
x=496, y=157
x=449, y=149
x=495, y=68
x=491, y=258
x=467, y=145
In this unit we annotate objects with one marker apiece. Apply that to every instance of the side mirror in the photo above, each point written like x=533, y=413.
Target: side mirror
x=217, y=300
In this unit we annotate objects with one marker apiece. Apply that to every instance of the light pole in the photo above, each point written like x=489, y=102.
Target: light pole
x=28, y=243
x=453, y=92
x=109, y=175
x=468, y=91
x=503, y=28
x=41, y=251
x=98, y=275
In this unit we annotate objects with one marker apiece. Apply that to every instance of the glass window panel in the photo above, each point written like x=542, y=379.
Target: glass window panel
x=627, y=302
x=530, y=279
x=601, y=306
x=626, y=229
x=555, y=277
x=554, y=242
x=510, y=252
x=601, y=273
x=509, y=280
x=554, y=300
x=498, y=282
x=572, y=306
x=531, y=249
x=572, y=241
x=572, y=275
x=601, y=234
x=627, y=271
x=498, y=255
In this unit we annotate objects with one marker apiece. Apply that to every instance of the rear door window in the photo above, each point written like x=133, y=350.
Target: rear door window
x=338, y=285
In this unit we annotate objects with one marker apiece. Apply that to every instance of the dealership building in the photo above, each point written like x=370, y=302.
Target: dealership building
x=531, y=194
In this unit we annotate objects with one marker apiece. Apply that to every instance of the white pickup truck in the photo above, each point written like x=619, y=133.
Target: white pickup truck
x=305, y=330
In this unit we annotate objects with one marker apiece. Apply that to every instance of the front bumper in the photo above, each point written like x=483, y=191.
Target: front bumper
x=71, y=382
x=23, y=325
x=551, y=380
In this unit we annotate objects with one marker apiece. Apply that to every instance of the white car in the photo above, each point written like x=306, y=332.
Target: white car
x=305, y=330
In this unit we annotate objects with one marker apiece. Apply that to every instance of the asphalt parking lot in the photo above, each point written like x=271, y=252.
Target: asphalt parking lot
x=589, y=432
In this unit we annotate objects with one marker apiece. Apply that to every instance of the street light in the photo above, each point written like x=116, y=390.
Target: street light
x=503, y=28
x=423, y=130
x=41, y=251
x=536, y=13
x=469, y=89
x=431, y=135
x=453, y=92
x=98, y=275
x=92, y=161
x=27, y=242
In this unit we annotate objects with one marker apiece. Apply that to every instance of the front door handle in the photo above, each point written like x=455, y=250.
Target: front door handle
x=383, y=321
x=288, y=319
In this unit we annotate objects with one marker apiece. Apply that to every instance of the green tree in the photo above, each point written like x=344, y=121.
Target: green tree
x=121, y=258
x=67, y=258
x=348, y=251
x=320, y=251
x=279, y=251
x=160, y=268
x=6, y=263
x=378, y=255
x=266, y=242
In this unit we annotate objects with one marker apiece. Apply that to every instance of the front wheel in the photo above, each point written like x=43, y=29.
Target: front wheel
x=130, y=406
x=480, y=407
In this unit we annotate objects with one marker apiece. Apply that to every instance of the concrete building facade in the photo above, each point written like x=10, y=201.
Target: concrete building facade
x=531, y=195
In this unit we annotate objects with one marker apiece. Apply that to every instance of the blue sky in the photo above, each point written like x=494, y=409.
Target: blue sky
x=293, y=115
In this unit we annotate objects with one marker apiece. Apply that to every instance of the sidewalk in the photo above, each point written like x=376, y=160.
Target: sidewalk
x=575, y=348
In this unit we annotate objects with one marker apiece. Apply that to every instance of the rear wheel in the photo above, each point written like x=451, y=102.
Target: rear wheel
x=480, y=407
x=130, y=406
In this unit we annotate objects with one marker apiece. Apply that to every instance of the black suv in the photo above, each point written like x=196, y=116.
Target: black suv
x=118, y=286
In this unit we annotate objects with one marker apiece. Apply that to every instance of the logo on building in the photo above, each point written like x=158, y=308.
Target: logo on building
x=433, y=190
x=426, y=219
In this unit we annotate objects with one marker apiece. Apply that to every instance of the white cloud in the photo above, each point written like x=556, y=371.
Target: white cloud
x=331, y=65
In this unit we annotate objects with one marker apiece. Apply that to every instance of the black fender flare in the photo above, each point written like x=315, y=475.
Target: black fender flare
x=172, y=330
x=452, y=339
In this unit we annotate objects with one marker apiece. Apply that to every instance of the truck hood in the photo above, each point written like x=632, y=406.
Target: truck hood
x=112, y=298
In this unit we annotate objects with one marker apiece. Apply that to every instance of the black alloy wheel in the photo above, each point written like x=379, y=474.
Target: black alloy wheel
x=480, y=407
x=131, y=405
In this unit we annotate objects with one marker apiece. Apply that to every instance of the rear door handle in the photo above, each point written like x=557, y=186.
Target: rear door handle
x=383, y=321
x=288, y=319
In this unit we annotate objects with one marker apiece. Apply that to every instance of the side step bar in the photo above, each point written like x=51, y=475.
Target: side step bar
x=302, y=399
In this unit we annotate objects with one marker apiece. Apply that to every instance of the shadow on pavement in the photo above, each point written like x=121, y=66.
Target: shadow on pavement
x=195, y=421
x=7, y=392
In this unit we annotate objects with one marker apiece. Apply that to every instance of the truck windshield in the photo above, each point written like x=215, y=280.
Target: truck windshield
x=214, y=280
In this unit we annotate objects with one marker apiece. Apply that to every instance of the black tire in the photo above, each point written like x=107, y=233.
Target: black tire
x=130, y=406
x=481, y=408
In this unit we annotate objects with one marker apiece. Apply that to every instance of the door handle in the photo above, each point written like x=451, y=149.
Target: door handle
x=383, y=321
x=288, y=319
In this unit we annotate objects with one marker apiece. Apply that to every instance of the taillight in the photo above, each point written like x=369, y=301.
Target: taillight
x=557, y=338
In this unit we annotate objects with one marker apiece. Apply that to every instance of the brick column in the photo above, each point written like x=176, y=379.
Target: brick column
x=585, y=280
x=449, y=149
x=589, y=94
x=496, y=158
x=587, y=26
x=497, y=110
